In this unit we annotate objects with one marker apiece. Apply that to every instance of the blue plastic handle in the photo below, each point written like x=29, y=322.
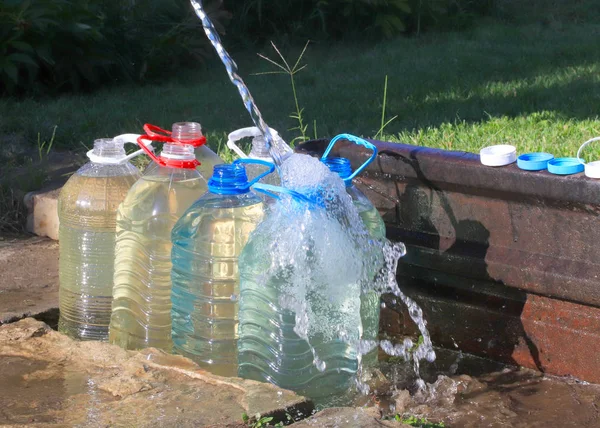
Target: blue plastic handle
x=269, y=165
x=356, y=140
x=267, y=189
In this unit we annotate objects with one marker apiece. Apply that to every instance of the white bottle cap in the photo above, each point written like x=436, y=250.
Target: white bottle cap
x=500, y=155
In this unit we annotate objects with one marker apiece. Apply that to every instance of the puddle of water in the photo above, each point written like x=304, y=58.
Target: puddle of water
x=467, y=391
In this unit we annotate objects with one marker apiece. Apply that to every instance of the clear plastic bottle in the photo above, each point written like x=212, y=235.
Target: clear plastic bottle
x=370, y=303
x=141, y=310
x=300, y=288
x=207, y=242
x=207, y=158
x=87, y=209
x=259, y=151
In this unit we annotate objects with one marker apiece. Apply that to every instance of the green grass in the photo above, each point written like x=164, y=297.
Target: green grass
x=530, y=85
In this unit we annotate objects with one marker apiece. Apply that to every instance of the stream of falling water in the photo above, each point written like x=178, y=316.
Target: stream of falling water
x=278, y=149
x=387, y=254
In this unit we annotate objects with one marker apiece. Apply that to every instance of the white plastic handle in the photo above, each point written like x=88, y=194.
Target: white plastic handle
x=125, y=138
x=592, y=169
x=237, y=135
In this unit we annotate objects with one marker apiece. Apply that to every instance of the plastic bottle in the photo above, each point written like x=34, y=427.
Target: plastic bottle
x=87, y=209
x=207, y=242
x=141, y=310
x=370, y=303
x=301, y=274
x=259, y=151
x=204, y=155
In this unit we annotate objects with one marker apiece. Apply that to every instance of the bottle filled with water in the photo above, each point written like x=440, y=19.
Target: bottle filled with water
x=301, y=276
x=87, y=210
x=207, y=242
x=370, y=301
x=141, y=310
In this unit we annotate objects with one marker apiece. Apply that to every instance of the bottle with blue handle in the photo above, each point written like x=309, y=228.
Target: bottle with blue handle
x=207, y=242
x=370, y=302
x=301, y=276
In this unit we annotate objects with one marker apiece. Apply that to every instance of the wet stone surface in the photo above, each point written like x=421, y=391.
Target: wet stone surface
x=28, y=279
x=50, y=380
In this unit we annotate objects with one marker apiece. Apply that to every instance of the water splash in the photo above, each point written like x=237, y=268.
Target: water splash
x=341, y=211
x=278, y=149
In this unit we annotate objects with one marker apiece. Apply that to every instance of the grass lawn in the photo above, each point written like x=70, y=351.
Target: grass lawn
x=536, y=86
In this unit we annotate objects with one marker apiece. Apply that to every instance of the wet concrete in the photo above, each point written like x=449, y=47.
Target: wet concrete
x=468, y=391
x=48, y=379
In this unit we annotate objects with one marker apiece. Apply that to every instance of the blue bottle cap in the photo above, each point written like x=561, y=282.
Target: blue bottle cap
x=340, y=166
x=565, y=166
x=534, y=161
x=229, y=180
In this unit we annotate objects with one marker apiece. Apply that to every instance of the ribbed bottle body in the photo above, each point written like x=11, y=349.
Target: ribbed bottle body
x=141, y=310
x=207, y=242
x=87, y=212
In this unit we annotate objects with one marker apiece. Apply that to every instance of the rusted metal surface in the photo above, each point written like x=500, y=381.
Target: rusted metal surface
x=504, y=261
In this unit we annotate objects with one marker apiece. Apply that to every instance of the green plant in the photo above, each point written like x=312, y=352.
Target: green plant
x=71, y=45
x=44, y=147
x=261, y=422
x=415, y=421
x=257, y=21
x=291, y=72
x=384, y=123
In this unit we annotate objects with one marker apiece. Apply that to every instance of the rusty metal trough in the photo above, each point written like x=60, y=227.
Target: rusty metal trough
x=504, y=262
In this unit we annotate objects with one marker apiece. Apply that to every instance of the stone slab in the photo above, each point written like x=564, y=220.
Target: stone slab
x=28, y=279
x=347, y=417
x=50, y=380
x=42, y=213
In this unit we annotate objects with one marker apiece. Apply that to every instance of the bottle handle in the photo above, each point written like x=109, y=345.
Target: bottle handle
x=237, y=135
x=124, y=138
x=268, y=190
x=358, y=141
x=592, y=169
x=163, y=136
x=269, y=165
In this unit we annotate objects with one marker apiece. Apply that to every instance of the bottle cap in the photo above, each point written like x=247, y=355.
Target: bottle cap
x=499, y=155
x=231, y=179
x=565, y=166
x=534, y=161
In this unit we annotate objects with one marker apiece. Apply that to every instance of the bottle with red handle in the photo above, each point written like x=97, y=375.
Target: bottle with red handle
x=141, y=309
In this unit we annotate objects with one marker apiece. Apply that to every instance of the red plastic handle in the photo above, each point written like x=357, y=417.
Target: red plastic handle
x=163, y=136
x=154, y=133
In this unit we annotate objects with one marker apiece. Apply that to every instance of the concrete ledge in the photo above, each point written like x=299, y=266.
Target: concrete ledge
x=503, y=261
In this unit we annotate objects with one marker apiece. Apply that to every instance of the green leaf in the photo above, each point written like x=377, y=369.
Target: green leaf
x=22, y=58
x=11, y=71
x=22, y=46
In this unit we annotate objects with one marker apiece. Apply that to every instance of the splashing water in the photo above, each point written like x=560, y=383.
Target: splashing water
x=278, y=149
x=302, y=274
x=321, y=296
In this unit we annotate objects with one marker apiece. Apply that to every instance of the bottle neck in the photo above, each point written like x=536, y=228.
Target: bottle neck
x=182, y=131
x=108, y=148
x=259, y=148
x=182, y=152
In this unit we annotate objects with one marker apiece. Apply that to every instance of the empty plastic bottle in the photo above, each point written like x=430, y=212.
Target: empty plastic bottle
x=207, y=242
x=141, y=311
x=87, y=210
x=370, y=302
x=259, y=151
